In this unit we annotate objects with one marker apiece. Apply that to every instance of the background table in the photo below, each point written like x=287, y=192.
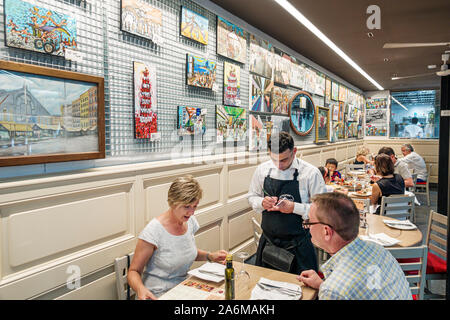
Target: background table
x=255, y=274
x=408, y=238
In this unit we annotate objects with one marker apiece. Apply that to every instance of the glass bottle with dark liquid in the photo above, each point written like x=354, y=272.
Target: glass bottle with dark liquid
x=229, y=279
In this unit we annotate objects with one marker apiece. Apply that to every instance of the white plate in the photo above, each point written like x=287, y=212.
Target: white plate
x=400, y=226
x=356, y=194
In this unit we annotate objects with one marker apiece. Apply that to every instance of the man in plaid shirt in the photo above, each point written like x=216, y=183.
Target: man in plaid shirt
x=357, y=270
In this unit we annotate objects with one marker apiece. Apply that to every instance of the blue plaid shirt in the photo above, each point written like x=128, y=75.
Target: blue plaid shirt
x=363, y=271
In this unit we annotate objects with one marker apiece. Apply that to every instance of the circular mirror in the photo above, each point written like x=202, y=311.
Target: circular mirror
x=301, y=113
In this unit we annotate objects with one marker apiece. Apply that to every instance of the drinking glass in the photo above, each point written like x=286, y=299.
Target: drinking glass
x=243, y=277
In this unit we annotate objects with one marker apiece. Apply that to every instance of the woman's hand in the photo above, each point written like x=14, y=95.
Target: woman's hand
x=219, y=256
x=145, y=294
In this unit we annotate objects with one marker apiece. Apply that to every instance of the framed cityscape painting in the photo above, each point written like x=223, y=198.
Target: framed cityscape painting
x=260, y=94
x=141, y=19
x=145, y=102
x=280, y=99
x=261, y=58
x=200, y=72
x=260, y=128
x=231, y=41
x=231, y=84
x=231, y=123
x=49, y=115
x=194, y=26
x=322, y=124
x=191, y=120
x=39, y=29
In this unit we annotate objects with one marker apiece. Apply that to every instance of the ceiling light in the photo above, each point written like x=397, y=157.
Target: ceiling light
x=370, y=34
x=303, y=20
x=385, y=59
x=399, y=103
x=431, y=66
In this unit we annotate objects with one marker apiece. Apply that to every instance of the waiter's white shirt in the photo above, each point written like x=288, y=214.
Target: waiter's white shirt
x=310, y=182
x=415, y=162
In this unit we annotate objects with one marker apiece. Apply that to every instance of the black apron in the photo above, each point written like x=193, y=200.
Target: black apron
x=285, y=230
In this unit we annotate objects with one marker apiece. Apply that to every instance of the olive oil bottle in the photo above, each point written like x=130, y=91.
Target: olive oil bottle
x=229, y=279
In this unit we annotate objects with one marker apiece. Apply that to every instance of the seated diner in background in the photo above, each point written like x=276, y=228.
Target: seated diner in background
x=349, y=273
x=326, y=177
x=390, y=182
x=166, y=246
x=400, y=167
x=331, y=164
x=414, y=162
x=362, y=156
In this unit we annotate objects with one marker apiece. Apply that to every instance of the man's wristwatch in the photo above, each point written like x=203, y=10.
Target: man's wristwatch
x=207, y=257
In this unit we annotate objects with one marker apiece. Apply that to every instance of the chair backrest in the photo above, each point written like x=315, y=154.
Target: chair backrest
x=257, y=231
x=429, y=168
x=437, y=233
x=415, y=267
x=397, y=206
x=352, y=167
x=121, y=265
x=414, y=179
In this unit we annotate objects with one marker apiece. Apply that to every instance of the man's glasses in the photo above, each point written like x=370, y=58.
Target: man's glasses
x=307, y=224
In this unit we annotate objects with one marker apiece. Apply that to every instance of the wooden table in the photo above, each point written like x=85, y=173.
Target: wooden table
x=255, y=274
x=408, y=238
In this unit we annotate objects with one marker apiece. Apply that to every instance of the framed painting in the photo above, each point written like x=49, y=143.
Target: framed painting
x=141, y=19
x=327, y=91
x=145, y=102
x=335, y=110
x=39, y=29
x=261, y=89
x=342, y=93
x=231, y=41
x=377, y=103
x=231, y=123
x=261, y=59
x=200, y=72
x=49, y=115
x=341, y=111
x=322, y=124
x=320, y=85
x=231, y=84
x=335, y=91
x=194, y=26
x=191, y=120
x=280, y=100
x=260, y=127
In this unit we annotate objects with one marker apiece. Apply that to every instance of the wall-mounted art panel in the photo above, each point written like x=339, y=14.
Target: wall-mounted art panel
x=322, y=124
x=39, y=29
x=191, y=120
x=231, y=41
x=142, y=19
x=200, y=72
x=194, y=26
x=231, y=123
x=145, y=102
x=280, y=99
x=261, y=58
x=260, y=94
x=49, y=115
x=231, y=84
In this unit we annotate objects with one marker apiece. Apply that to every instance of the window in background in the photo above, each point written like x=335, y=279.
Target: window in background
x=415, y=114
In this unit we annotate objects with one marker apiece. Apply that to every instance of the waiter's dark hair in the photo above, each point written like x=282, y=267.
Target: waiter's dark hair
x=340, y=212
x=280, y=142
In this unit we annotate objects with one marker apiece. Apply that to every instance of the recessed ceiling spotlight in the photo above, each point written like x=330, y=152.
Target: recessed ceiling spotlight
x=385, y=59
x=431, y=66
x=370, y=35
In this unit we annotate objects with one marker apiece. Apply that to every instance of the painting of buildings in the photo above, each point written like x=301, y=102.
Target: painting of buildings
x=142, y=19
x=231, y=123
x=260, y=94
x=39, y=29
x=231, y=41
x=231, y=84
x=191, y=120
x=200, y=72
x=194, y=26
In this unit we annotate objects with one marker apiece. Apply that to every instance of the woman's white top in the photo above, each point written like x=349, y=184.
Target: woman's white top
x=173, y=257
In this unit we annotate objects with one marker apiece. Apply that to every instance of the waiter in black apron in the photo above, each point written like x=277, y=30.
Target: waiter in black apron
x=277, y=201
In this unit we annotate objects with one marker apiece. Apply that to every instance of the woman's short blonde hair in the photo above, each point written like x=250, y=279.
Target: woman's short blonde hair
x=362, y=151
x=184, y=190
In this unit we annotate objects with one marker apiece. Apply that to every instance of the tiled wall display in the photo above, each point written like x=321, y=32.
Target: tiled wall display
x=175, y=42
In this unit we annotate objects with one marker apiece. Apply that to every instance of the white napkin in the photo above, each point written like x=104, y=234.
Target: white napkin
x=409, y=193
x=406, y=223
x=210, y=271
x=267, y=289
x=380, y=238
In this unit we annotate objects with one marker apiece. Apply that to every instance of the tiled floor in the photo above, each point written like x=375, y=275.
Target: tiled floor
x=422, y=214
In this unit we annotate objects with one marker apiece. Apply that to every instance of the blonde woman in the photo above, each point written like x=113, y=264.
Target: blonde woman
x=166, y=246
x=361, y=156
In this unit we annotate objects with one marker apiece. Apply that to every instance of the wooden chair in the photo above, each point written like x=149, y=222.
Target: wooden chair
x=414, y=271
x=121, y=265
x=424, y=187
x=257, y=231
x=398, y=207
x=436, y=242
